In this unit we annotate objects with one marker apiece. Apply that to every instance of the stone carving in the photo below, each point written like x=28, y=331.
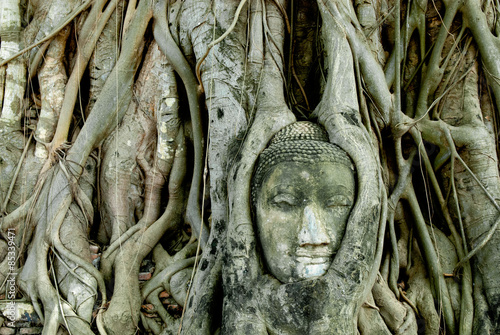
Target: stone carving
x=303, y=191
x=302, y=269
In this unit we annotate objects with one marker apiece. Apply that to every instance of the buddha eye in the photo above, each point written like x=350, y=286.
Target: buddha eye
x=339, y=201
x=284, y=200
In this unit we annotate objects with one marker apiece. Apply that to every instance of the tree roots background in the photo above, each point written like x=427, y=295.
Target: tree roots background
x=129, y=131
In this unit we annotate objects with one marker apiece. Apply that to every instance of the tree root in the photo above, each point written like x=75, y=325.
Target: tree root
x=54, y=32
x=72, y=87
x=217, y=41
x=16, y=173
x=163, y=278
x=175, y=57
x=169, y=320
x=440, y=289
x=124, y=307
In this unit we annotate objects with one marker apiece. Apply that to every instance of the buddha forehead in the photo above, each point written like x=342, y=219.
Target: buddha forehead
x=302, y=145
x=318, y=178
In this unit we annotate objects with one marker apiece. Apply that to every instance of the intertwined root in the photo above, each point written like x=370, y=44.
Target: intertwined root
x=49, y=188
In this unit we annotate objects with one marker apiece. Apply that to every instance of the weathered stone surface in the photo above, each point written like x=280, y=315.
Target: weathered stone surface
x=31, y=330
x=7, y=331
x=303, y=192
x=302, y=212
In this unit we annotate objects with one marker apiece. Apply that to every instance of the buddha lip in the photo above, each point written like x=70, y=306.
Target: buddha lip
x=313, y=254
x=313, y=260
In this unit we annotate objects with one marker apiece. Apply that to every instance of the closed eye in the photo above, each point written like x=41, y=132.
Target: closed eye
x=339, y=201
x=284, y=200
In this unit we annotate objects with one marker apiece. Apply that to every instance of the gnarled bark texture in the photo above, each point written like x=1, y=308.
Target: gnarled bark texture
x=129, y=133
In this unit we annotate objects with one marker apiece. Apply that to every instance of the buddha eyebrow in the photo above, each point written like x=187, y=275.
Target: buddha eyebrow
x=284, y=188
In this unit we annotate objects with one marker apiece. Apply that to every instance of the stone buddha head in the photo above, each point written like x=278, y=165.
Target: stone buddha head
x=303, y=191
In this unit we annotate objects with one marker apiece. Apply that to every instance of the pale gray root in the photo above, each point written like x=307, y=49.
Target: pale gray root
x=171, y=323
x=476, y=20
x=10, y=26
x=179, y=282
x=404, y=236
x=132, y=147
x=369, y=319
x=52, y=78
x=176, y=58
x=162, y=259
x=122, y=188
x=83, y=54
x=393, y=312
x=105, y=55
x=14, y=78
x=183, y=277
x=122, y=316
x=448, y=260
x=435, y=67
x=90, y=21
x=17, y=181
x=223, y=75
x=382, y=313
x=12, y=143
x=108, y=109
x=39, y=12
x=255, y=57
x=179, y=285
x=39, y=47
x=451, y=93
x=20, y=205
x=4, y=266
x=420, y=293
x=150, y=325
x=162, y=278
x=482, y=321
x=56, y=14
x=477, y=149
x=242, y=313
x=158, y=149
x=2, y=84
x=76, y=285
x=34, y=278
x=369, y=13
x=432, y=262
x=415, y=20
x=120, y=177
x=338, y=111
x=159, y=97
x=3, y=249
x=156, y=94
x=57, y=311
x=161, y=281
x=342, y=17
x=131, y=7
x=480, y=156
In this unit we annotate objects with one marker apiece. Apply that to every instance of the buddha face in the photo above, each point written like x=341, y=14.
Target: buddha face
x=301, y=215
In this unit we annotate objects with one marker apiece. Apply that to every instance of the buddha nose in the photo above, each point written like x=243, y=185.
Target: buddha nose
x=313, y=230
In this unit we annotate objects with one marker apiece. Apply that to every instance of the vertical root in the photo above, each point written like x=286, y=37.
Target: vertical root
x=175, y=57
x=431, y=259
